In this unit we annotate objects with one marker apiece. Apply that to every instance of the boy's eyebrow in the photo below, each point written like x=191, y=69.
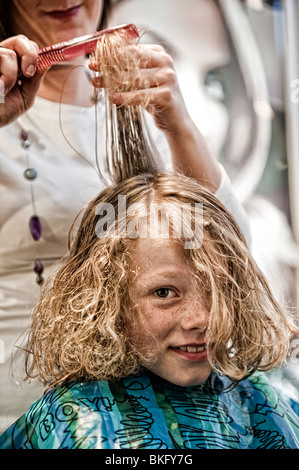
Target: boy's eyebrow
x=169, y=272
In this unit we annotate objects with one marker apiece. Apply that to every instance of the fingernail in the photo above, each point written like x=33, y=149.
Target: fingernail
x=30, y=71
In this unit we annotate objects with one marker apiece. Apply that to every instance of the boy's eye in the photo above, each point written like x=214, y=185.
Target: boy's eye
x=164, y=293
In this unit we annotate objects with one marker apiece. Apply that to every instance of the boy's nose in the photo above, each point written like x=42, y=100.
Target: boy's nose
x=196, y=317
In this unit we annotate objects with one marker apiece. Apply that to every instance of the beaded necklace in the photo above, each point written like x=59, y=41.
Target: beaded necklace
x=35, y=227
x=30, y=174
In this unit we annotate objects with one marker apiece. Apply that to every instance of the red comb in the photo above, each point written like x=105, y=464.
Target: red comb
x=76, y=47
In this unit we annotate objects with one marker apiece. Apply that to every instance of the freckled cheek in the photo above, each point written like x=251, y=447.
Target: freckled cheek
x=152, y=325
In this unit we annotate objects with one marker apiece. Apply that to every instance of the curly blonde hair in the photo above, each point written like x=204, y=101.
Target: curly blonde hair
x=85, y=323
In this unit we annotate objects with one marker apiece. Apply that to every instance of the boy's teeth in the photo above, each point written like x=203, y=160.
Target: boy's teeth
x=192, y=349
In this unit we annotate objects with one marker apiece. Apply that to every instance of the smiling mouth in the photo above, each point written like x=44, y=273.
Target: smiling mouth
x=192, y=349
x=192, y=352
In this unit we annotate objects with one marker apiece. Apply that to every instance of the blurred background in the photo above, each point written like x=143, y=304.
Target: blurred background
x=237, y=65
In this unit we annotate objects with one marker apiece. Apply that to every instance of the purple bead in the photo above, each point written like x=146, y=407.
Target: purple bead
x=24, y=135
x=38, y=267
x=35, y=227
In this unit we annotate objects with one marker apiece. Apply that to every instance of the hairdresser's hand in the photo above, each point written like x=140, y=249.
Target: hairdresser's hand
x=16, y=96
x=155, y=86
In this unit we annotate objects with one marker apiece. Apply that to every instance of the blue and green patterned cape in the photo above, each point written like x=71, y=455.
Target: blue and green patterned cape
x=146, y=412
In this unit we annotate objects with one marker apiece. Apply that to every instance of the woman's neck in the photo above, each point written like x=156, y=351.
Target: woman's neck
x=68, y=83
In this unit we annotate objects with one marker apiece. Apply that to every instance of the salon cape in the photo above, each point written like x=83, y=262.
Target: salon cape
x=146, y=412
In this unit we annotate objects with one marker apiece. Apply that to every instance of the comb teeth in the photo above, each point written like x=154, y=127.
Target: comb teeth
x=50, y=58
x=68, y=50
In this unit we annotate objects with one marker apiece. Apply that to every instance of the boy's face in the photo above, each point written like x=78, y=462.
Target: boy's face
x=173, y=310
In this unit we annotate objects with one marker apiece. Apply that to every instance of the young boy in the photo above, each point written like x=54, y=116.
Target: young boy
x=156, y=329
